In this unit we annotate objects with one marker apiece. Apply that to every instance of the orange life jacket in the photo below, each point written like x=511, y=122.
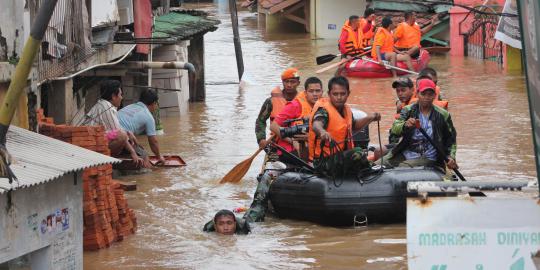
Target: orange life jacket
x=385, y=40
x=437, y=102
x=408, y=36
x=278, y=102
x=306, y=107
x=339, y=127
x=353, y=45
x=367, y=36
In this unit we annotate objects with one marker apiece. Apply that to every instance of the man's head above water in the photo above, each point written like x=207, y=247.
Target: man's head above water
x=225, y=222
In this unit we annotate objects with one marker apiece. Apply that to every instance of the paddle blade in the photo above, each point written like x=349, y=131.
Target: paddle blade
x=238, y=172
x=325, y=58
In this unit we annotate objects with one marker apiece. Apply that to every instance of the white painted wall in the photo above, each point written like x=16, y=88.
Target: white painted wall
x=104, y=12
x=12, y=28
x=172, y=78
x=21, y=230
x=327, y=17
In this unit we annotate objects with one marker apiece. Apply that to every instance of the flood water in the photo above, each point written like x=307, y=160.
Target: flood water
x=488, y=106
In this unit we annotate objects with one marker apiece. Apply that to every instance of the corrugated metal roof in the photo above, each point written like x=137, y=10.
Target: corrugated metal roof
x=38, y=159
x=182, y=25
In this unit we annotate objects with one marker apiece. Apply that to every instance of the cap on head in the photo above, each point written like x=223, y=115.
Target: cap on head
x=290, y=73
x=425, y=84
x=403, y=82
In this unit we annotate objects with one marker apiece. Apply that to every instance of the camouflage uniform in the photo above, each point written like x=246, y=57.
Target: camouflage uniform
x=255, y=213
x=260, y=123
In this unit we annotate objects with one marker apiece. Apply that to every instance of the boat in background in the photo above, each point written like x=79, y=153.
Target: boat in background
x=367, y=69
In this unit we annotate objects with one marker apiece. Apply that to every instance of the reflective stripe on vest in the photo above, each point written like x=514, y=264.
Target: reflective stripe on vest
x=367, y=36
x=339, y=128
x=353, y=45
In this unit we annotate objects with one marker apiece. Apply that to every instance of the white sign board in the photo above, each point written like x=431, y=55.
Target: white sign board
x=447, y=233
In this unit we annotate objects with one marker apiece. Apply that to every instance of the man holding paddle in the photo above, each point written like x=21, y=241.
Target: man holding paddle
x=415, y=122
x=273, y=105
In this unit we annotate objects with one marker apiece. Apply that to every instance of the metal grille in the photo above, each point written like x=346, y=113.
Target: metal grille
x=479, y=39
x=67, y=39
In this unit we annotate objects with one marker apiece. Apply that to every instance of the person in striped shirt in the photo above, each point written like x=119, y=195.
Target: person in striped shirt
x=104, y=113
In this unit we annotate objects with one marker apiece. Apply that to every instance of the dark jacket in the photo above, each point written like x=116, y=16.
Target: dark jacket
x=444, y=133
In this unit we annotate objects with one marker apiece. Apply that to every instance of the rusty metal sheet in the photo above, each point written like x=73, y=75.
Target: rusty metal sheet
x=473, y=233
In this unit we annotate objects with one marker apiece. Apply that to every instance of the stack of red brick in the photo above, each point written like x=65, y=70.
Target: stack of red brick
x=107, y=217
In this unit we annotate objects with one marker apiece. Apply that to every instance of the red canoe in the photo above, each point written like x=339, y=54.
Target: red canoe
x=366, y=69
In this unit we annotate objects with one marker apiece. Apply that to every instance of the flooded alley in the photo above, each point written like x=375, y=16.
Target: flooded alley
x=488, y=106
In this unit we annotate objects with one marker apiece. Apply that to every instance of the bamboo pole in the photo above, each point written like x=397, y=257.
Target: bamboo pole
x=237, y=45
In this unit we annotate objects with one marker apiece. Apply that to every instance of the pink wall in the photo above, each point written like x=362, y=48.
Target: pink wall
x=457, y=14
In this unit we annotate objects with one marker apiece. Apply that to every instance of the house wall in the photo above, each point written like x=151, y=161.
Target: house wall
x=24, y=230
x=171, y=101
x=327, y=17
x=458, y=14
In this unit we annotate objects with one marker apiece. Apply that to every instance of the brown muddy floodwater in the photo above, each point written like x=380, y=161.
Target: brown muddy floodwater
x=488, y=106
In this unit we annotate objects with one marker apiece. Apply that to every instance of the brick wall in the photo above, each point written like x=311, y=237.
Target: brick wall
x=107, y=217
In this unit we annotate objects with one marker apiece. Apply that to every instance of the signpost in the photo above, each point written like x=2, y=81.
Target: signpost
x=476, y=233
x=529, y=16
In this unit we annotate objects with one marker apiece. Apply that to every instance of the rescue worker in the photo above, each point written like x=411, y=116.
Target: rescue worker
x=225, y=222
x=331, y=130
x=383, y=47
x=276, y=102
x=299, y=108
x=405, y=96
x=351, y=38
x=408, y=34
x=414, y=149
x=430, y=73
x=367, y=24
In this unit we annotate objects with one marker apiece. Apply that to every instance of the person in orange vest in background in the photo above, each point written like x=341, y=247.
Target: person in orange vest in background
x=430, y=73
x=350, y=40
x=367, y=24
x=383, y=47
x=276, y=102
x=299, y=108
x=408, y=34
x=330, y=135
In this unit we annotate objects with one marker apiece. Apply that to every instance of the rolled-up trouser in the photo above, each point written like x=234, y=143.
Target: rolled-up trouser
x=400, y=161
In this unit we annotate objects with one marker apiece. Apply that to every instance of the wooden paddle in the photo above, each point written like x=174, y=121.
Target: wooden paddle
x=237, y=173
x=438, y=149
x=388, y=66
x=323, y=59
x=332, y=66
x=344, y=60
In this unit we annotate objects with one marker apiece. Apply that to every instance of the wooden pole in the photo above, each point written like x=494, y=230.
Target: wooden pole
x=237, y=45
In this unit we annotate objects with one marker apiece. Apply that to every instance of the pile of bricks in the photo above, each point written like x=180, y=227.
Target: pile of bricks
x=107, y=217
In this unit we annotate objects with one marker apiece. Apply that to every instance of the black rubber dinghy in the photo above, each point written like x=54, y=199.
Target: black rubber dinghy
x=377, y=197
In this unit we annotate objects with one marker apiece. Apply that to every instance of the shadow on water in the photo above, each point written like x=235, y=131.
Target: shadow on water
x=489, y=111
